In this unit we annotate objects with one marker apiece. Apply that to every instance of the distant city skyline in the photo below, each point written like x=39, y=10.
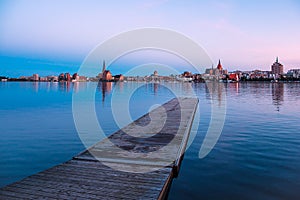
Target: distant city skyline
x=50, y=37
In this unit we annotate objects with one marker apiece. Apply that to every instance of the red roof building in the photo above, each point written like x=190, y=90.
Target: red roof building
x=219, y=67
x=106, y=76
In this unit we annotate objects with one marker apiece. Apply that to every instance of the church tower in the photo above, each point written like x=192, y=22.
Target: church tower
x=277, y=67
x=219, y=67
x=103, y=67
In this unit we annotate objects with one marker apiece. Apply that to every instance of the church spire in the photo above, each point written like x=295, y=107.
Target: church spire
x=104, y=67
x=219, y=65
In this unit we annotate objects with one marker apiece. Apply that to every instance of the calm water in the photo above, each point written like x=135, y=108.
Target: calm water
x=256, y=157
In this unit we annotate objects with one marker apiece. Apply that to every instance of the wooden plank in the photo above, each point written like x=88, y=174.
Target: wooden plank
x=55, y=178
x=164, y=155
x=138, y=161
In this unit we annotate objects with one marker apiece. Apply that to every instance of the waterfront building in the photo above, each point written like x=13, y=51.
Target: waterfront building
x=187, y=74
x=119, y=77
x=100, y=75
x=52, y=78
x=198, y=78
x=212, y=71
x=67, y=77
x=234, y=77
x=61, y=77
x=215, y=73
x=293, y=73
x=219, y=66
x=83, y=78
x=103, y=66
x=209, y=71
x=3, y=79
x=35, y=77
x=75, y=77
x=106, y=76
x=155, y=77
x=43, y=79
x=277, y=68
x=258, y=74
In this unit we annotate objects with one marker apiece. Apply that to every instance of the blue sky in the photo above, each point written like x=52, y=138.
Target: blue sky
x=53, y=36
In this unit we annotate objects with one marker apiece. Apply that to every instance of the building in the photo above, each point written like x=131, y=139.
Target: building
x=43, y=79
x=3, y=79
x=258, y=74
x=75, y=77
x=35, y=77
x=119, y=77
x=293, y=73
x=52, y=78
x=217, y=73
x=154, y=77
x=212, y=71
x=100, y=75
x=218, y=70
x=187, y=74
x=219, y=66
x=277, y=68
x=234, y=77
x=106, y=76
x=83, y=78
x=67, y=77
x=61, y=77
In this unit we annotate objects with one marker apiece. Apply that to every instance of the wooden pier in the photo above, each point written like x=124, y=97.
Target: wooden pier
x=137, y=162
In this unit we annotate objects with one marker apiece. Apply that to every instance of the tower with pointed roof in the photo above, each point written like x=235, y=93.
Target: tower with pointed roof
x=277, y=68
x=219, y=67
x=103, y=66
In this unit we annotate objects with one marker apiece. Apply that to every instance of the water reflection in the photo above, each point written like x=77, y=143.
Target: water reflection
x=259, y=90
x=152, y=87
x=105, y=88
x=36, y=86
x=155, y=88
x=120, y=84
x=64, y=86
x=277, y=95
x=234, y=87
x=214, y=90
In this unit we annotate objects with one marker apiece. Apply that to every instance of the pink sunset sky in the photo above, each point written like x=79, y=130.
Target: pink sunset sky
x=243, y=34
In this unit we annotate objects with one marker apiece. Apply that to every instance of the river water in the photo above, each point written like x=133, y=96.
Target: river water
x=257, y=155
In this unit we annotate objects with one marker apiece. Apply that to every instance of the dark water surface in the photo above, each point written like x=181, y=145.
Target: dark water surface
x=256, y=157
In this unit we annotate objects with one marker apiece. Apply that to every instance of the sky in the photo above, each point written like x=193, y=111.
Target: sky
x=53, y=36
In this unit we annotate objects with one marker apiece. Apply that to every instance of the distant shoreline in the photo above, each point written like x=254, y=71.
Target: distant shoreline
x=163, y=81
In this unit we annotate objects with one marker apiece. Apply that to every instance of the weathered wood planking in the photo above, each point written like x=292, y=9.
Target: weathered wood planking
x=137, y=162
